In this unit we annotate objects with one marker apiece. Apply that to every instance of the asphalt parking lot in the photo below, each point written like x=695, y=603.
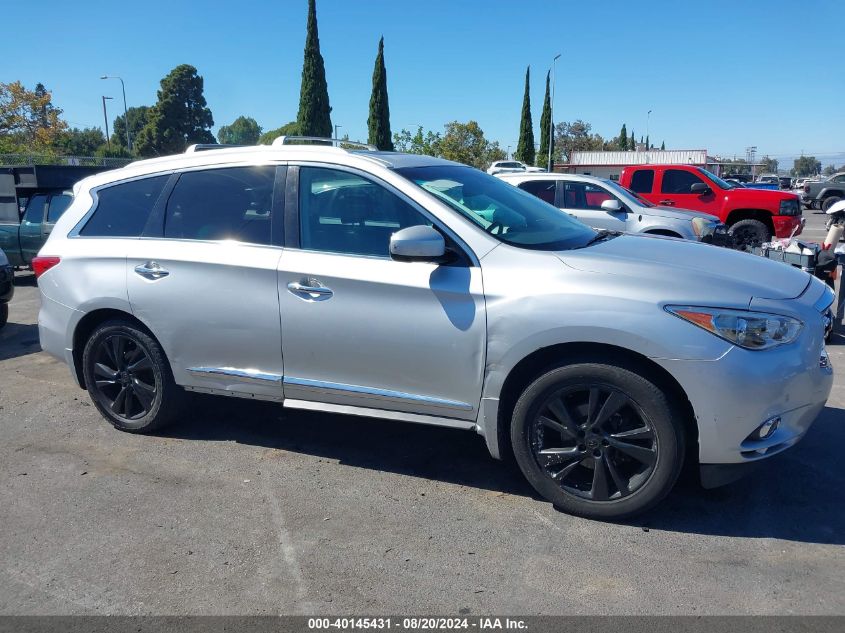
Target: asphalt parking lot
x=246, y=508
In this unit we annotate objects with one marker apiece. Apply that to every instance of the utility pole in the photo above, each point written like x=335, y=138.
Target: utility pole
x=106, y=121
x=552, y=115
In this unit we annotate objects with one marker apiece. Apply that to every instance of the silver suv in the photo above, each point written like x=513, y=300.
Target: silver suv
x=604, y=204
x=415, y=289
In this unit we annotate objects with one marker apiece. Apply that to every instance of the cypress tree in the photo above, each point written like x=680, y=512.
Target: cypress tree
x=378, y=123
x=525, y=147
x=314, y=117
x=663, y=145
x=545, y=127
x=632, y=144
x=623, y=137
x=647, y=145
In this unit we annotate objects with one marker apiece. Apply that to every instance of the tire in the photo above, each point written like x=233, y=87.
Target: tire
x=829, y=202
x=4, y=314
x=750, y=232
x=119, y=358
x=625, y=468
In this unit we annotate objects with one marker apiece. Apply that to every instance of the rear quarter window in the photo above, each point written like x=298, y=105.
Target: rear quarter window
x=123, y=209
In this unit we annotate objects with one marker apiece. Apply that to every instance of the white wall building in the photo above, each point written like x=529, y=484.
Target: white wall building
x=610, y=164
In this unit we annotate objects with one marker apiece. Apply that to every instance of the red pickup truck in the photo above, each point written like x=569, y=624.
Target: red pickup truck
x=753, y=215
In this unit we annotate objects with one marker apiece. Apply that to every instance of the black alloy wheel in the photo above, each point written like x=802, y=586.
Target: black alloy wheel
x=125, y=380
x=594, y=441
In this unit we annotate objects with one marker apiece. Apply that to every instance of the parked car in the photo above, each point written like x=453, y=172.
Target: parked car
x=32, y=198
x=604, y=204
x=825, y=193
x=771, y=179
x=785, y=182
x=752, y=215
x=743, y=178
x=351, y=282
x=7, y=287
x=510, y=166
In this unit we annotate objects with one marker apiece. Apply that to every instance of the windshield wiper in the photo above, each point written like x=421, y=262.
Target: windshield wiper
x=601, y=234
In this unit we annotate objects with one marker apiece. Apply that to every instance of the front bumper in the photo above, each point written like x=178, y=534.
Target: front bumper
x=786, y=224
x=7, y=283
x=733, y=395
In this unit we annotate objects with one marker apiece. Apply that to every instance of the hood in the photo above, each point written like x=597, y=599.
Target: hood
x=679, y=214
x=689, y=271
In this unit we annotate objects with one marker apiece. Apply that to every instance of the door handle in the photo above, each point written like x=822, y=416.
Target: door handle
x=310, y=288
x=668, y=203
x=151, y=270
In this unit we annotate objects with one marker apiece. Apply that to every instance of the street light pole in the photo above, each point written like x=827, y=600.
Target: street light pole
x=552, y=115
x=106, y=121
x=335, y=130
x=125, y=110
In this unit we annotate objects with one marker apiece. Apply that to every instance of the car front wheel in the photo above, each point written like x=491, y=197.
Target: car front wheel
x=748, y=233
x=129, y=379
x=598, y=440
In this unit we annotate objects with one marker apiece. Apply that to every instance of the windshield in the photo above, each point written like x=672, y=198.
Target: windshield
x=719, y=182
x=627, y=194
x=509, y=214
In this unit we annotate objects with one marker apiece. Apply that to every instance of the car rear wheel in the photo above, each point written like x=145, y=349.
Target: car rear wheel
x=829, y=202
x=129, y=379
x=748, y=233
x=597, y=440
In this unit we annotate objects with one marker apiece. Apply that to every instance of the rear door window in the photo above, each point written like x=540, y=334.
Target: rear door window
x=233, y=203
x=543, y=189
x=35, y=209
x=58, y=205
x=642, y=181
x=123, y=209
x=584, y=195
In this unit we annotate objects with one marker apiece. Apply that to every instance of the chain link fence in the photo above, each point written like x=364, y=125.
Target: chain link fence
x=27, y=160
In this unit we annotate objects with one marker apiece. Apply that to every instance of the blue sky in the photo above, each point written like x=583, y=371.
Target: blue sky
x=721, y=75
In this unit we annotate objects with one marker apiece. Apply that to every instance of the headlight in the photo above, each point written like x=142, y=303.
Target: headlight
x=790, y=207
x=702, y=226
x=751, y=330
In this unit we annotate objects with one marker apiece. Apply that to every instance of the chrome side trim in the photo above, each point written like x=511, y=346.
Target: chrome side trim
x=399, y=396
x=234, y=394
x=401, y=416
x=247, y=375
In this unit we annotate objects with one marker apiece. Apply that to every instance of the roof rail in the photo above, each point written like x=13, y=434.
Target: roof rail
x=202, y=147
x=334, y=142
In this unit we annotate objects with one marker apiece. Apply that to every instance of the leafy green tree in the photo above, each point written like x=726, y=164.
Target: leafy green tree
x=77, y=142
x=378, y=123
x=525, y=146
x=243, y=131
x=314, y=117
x=289, y=129
x=577, y=137
x=623, y=137
x=545, y=129
x=806, y=166
x=138, y=117
x=663, y=145
x=465, y=143
x=29, y=122
x=769, y=165
x=829, y=170
x=419, y=143
x=179, y=118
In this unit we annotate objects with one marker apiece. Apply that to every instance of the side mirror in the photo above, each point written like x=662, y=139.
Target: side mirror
x=611, y=206
x=699, y=188
x=417, y=243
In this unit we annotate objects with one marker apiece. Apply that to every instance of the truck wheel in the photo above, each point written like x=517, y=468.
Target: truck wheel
x=4, y=313
x=597, y=440
x=748, y=233
x=829, y=202
x=129, y=379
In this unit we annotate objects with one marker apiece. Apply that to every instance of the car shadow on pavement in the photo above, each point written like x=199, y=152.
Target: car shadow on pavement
x=794, y=496
x=17, y=339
